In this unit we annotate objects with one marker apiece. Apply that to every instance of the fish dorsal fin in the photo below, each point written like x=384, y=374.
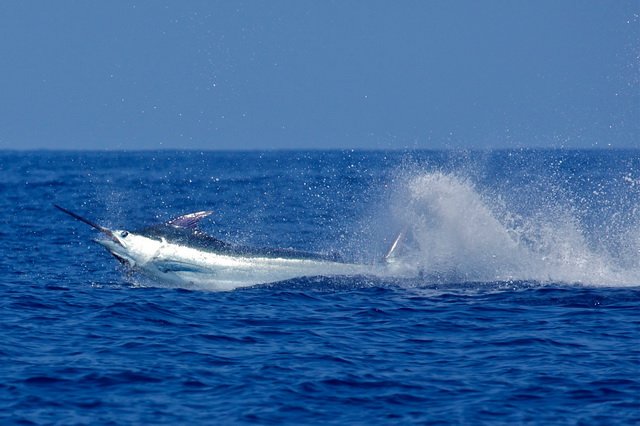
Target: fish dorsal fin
x=190, y=220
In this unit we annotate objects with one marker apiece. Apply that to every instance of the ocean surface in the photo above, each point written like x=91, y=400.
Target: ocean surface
x=524, y=307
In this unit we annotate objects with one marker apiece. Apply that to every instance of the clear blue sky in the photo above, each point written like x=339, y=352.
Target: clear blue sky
x=319, y=74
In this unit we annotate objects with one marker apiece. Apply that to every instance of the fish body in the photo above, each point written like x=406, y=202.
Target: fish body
x=177, y=253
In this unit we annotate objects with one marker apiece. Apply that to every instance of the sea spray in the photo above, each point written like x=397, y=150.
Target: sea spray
x=462, y=232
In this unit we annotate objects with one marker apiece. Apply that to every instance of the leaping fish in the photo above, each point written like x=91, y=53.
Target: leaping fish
x=177, y=253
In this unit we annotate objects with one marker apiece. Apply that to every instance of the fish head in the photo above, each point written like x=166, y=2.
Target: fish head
x=133, y=250
x=122, y=245
x=128, y=248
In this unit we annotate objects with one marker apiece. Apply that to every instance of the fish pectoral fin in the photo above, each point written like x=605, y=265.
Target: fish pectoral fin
x=176, y=266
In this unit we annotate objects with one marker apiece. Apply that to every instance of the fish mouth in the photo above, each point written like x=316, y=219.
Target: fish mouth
x=113, y=246
x=123, y=261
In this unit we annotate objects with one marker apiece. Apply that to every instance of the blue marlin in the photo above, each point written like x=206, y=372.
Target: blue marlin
x=177, y=253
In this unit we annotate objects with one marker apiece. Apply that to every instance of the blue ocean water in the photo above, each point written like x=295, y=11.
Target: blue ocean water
x=526, y=307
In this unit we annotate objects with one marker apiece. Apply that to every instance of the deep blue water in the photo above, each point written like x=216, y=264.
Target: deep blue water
x=526, y=308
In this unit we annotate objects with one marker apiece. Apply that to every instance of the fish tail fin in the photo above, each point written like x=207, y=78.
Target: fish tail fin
x=394, y=253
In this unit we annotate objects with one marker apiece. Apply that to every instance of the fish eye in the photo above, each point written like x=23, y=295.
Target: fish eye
x=124, y=234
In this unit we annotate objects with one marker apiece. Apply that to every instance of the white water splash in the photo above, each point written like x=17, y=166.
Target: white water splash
x=462, y=235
